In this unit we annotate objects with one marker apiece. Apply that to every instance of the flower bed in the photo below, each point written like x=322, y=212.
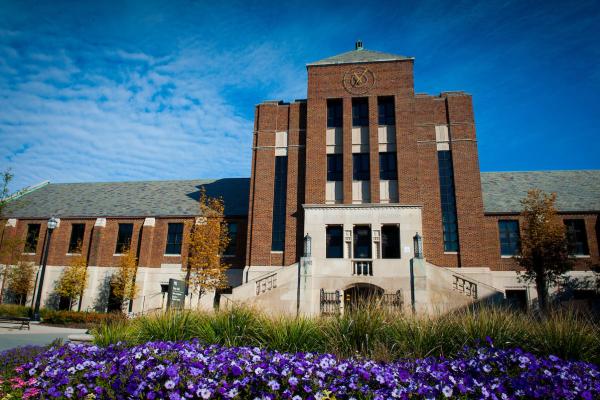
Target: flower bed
x=158, y=370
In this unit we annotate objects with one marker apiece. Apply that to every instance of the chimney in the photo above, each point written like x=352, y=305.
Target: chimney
x=358, y=45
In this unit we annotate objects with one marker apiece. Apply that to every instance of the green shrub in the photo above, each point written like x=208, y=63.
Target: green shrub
x=370, y=331
x=14, y=310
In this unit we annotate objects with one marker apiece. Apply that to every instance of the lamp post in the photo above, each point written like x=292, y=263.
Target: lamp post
x=52, y=224
x=418, y=255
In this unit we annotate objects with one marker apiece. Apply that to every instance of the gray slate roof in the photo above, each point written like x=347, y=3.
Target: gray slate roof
x=359, y=56
x=502, y=191
x=576, y=190
x=129, y=199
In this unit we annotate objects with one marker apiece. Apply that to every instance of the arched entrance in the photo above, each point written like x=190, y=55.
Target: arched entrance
x=361, y=294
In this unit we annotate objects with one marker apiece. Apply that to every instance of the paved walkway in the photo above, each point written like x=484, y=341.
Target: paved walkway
x=38, y=335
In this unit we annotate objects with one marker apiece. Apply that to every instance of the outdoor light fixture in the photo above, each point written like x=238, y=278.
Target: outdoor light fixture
x=52, y=225
x=418, y=245
x=307, y=245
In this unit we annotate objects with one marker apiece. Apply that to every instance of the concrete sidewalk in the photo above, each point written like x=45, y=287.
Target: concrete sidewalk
x=38, y=335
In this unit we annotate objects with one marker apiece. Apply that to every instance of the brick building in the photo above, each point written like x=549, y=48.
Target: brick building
x=341, y=185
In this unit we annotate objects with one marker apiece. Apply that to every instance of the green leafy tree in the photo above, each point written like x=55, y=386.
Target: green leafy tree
x=544, y=254
x=73, y=280
x=20, y=280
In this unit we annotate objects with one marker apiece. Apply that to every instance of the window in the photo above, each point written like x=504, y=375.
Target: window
x=31, y=241
x=510, y=239
x=334, y=242
x=387, y=166
x=360, y=167
x=279, y=203
x=448, y=201
x=390, y=241
x=334, y=167
x=360, y=112
x=76, y=241
x=334, y=113
x=362, y=241
x=174, y=238
x=232, y=231
x=124, y=238
x=577, y=237
x=386, y=110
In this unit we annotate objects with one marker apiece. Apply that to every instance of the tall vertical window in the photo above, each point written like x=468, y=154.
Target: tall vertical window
x=278, y=238
x=232, y=231
x=360, y=167
x=390, y=241
x=334, y=113
x=174, y=238
x=334, y=167
x=31, y=241
x=124, y=238
x=387, y=166
x=76, y=240
x=385, y=108
x=448, y=200
x=334, y=242
x=360, y=111
x=510, y=238
x=362, y=241
x=577, y=237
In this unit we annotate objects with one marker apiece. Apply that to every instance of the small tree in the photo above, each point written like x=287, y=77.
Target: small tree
x=5, y=194
x=73, y=280
x=207, y=240
x=20, y=280
x=10, y=255
x=544, y=253
x=123, y=281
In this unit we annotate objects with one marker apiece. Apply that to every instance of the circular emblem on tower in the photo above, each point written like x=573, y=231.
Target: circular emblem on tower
x=358, y=80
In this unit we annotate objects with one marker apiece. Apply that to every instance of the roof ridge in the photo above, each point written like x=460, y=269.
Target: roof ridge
x=542, y=171
x=146, y=181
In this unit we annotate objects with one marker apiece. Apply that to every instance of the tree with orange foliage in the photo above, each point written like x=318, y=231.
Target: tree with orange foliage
x=544, y=252
x=208, y=240
x=123, y=281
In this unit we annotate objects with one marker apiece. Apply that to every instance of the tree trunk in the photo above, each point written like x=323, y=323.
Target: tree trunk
x=542, y=291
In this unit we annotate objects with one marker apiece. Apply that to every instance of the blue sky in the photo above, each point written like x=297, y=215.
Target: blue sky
x=111, y=91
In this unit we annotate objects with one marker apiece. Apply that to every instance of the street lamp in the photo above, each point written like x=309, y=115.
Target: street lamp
x=418, y=245
x=307, y=245
x=52, y=224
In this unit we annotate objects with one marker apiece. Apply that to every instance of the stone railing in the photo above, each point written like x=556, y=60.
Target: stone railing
x=265, y=284
x=464, y=286
x=362, y=268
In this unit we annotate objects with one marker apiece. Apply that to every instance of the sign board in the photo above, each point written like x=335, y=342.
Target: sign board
x=176, y=294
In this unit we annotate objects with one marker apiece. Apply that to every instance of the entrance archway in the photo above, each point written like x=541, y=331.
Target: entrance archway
x=361, y=294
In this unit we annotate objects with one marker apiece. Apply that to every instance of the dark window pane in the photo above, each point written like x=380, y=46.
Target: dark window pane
x=386, y=110
x=124, y=238
x=279, y=202
x=174, y=238
x=335, y=167
x=387, y=166
x=232, y=231
x=448, y=201
x=577, y=237
x=510, y=238
x=334, y=242
x=360, y=112
x=390, y=241
x=76, y=241
x=31, y=241
x=362, y=241
x=360, y=167
x=334, y=113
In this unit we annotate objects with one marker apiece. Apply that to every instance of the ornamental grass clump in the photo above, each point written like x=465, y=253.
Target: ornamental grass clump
x=192, y=370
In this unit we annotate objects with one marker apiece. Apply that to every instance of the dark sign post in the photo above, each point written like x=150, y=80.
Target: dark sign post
x=176, y=294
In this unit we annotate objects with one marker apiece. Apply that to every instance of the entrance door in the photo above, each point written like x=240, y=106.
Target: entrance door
x=361, y=294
